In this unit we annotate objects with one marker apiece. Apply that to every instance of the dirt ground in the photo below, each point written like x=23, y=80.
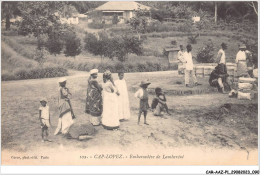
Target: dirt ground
x=199, y=125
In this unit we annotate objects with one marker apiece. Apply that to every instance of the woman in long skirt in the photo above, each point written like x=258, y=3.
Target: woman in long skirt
x=94, y=98
x=110, y=119
x=241, y=61
x=66, y=112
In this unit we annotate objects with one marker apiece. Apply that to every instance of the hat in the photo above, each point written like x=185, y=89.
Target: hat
x=107, y=73
x=43, y=99
x=93, y=71
x=144, y=82
x=243, y=46
x=223, y=45
x=63, y=79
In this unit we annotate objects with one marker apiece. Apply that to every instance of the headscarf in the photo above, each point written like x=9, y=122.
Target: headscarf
x=107, y=74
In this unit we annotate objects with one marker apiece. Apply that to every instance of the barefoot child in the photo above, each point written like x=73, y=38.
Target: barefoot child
x=44, y=116
x=159, y=102
x=123, y=100
x=142, y=94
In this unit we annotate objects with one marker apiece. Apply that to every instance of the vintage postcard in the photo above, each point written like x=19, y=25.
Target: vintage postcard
x=129, y=83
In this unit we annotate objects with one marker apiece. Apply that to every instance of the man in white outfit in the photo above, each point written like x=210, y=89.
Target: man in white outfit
x=189, y=68
x=181, y=64
x=221, y=57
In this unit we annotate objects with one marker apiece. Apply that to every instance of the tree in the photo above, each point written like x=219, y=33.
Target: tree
x=97, y=46
x=120, y=47
x=42, y=18
x=9, y=9
x=115, y=19
x=72, y=45
x=252, y=4
x=91, y=43
x=132, y=45
x=216, y=12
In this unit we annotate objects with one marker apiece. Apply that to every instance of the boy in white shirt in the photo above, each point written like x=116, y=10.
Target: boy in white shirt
x=44, y=116
x=142, y=94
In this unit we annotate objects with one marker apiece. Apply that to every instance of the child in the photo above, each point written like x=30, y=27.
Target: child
x=159, y=102
x=123, y=100
x=142, y=94
x=44, y=116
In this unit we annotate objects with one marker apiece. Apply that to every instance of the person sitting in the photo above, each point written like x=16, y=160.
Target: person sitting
x=218, y=78
x=159, y=102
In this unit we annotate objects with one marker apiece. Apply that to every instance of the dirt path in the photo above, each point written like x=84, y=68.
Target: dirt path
x=197, y=123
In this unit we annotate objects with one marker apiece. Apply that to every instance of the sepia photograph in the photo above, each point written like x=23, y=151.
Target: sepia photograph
x=129, y=83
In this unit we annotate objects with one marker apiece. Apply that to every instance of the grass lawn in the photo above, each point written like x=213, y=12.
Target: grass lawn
x=197, y=127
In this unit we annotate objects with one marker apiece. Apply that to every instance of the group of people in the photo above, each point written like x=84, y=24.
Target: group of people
x=107, y=103
x=186, y=63
x=109, y=100
x=219, y=76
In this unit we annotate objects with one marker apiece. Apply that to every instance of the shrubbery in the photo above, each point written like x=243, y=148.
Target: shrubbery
x=129, y=66
x=72, y=45
x=206, y=53
x=98, y=25
x=112, y=47
x=46, y=72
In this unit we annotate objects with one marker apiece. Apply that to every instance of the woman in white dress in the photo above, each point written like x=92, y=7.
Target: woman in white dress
x=110, y=119
x=123, y=100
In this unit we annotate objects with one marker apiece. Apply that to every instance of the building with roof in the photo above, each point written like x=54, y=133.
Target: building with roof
x=125, y=10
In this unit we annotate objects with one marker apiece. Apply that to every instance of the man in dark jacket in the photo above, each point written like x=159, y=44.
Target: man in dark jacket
x=218, y=78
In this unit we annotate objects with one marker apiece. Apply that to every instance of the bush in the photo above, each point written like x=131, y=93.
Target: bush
x=98, y=25
x=47, y=72
x=193, y=39
x=35, y=73
x=72, y=45
x=174, y=42
x=185, y=27
x=8, y=77
x=41, y=55
x=206, y=54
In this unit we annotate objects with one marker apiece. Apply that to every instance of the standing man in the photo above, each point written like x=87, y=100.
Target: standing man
x=181, y=64
x=189, y=71
x=221, y=57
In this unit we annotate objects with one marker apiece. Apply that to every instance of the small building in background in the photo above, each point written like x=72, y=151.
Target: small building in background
x=172, y=54
x=71, y=20
x=124, y=10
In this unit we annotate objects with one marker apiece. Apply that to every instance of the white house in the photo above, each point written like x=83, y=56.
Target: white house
x=71, y=20
x=123, y=9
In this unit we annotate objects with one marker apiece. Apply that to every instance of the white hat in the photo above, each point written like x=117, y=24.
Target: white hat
x=62, y=79
x=93, y=71
x=243, y=46
x=43, y=99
